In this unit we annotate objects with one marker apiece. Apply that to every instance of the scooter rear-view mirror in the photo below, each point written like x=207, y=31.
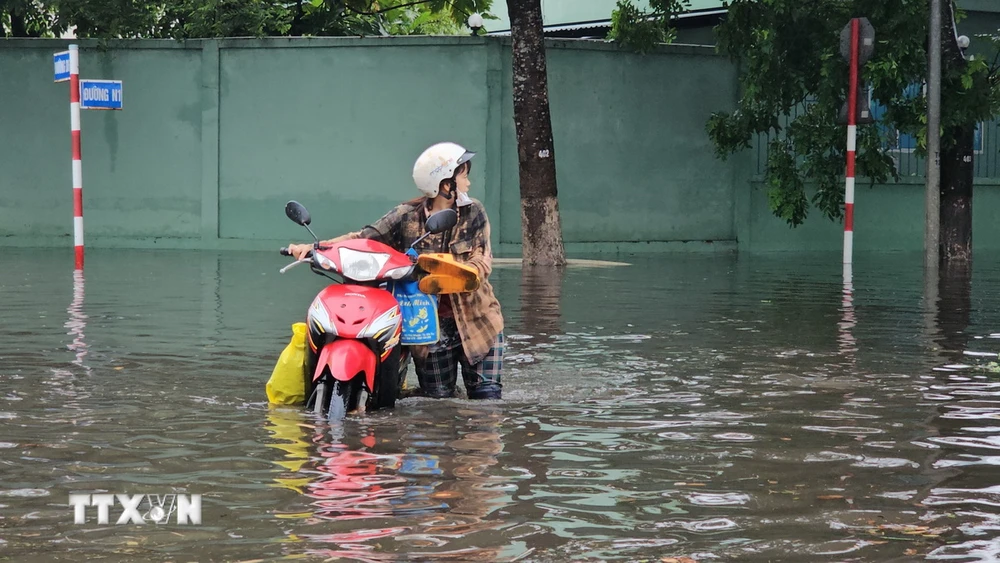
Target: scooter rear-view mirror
x=298, y=213
x=442, y=221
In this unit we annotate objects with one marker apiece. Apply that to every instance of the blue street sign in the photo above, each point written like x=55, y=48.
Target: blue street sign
x=100, y=94
x=61, y=61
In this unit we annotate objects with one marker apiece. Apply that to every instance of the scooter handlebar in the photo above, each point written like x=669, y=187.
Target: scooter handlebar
x=284, y=251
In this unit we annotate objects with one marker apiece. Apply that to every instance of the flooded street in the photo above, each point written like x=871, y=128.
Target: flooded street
x=721, y=408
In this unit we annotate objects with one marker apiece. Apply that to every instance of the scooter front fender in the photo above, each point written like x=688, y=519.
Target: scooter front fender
x=346, y=358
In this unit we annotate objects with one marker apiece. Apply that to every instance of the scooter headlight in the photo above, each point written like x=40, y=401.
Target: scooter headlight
x=399, y=273
x=362, y=266
x=325, y=262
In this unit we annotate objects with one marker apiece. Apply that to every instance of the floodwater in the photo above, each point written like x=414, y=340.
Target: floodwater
x=718, y=408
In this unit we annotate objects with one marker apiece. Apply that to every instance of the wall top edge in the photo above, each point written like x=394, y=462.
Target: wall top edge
x=904, y=181
x=320, y=42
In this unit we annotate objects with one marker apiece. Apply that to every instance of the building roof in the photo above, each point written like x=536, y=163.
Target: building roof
x=967, y=5
x=559, y=15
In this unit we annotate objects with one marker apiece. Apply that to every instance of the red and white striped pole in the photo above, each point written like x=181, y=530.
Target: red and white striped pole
x=74, y=118
x=852, y=140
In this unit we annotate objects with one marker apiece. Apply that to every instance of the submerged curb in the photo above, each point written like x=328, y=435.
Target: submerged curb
x=571, y=262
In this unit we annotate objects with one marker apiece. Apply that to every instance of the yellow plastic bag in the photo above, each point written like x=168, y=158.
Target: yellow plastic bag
x=287, y=385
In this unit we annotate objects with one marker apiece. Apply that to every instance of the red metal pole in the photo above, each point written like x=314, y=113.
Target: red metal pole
x=852, y=139
x=74, y=112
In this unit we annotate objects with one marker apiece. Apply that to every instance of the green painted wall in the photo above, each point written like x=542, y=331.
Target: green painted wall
x=217, y=135
x=630, y=165
x=141, y=167
x=887, y=217
x=338, y=129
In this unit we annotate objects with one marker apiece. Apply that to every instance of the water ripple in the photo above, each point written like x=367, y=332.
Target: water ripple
x=718, y=407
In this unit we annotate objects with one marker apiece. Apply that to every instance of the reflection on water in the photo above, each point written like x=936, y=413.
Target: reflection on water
x=541, y=288
x=746, y=408
x=848, y=345
x=426, y=498
x=77, y=322
x=954, y=310
x=968, y=418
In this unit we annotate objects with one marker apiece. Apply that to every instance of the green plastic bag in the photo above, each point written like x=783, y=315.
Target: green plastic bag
x=287, y=385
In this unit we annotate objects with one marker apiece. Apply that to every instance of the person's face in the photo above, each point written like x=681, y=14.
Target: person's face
x=462, y=182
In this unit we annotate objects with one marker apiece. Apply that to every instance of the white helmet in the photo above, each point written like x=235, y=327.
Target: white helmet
x=438, y=163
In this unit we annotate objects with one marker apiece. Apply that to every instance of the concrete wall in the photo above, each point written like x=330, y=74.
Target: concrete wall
x=217, y=135
x=338, y=129
x=887, y=217
x=631, y=166
x=142, y=167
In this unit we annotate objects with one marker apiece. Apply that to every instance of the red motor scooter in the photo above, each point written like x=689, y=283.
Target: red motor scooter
x=353, y=344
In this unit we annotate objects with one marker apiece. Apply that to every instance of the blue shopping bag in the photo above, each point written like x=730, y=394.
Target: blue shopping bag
x=420, y=314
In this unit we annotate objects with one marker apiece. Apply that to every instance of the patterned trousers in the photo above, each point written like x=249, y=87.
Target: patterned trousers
x=438, y=373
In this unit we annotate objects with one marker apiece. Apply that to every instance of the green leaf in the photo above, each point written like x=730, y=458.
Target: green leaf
x=182, y=19
x=641, y=30
x=793, y=82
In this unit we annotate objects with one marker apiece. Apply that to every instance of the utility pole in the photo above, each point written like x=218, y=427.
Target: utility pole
x=932, y=207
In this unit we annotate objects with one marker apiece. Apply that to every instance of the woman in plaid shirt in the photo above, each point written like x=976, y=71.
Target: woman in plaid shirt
x=471, y=323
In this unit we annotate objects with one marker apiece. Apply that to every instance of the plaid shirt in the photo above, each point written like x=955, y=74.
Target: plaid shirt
x=477, y=314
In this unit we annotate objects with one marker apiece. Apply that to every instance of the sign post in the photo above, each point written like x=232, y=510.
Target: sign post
x=95, y=94
x=857, y=41
x=74, y=129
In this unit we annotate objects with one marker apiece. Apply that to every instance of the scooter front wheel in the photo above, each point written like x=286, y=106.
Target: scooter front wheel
x=343, y=399
x=319, y=397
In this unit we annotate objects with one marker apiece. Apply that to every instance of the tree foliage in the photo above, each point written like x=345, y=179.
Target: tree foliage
x=26, y=18
x=794, y=81
x=789, y=56
x=641, y=30
x=189, y=19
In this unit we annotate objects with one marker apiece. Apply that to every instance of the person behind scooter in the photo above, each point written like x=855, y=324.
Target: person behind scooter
x=471, y=323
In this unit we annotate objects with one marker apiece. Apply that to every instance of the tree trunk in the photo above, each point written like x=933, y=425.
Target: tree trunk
x=18, y=26
x=956, y=195
x=296, y=27
x=541, y=230
x=957, y=154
